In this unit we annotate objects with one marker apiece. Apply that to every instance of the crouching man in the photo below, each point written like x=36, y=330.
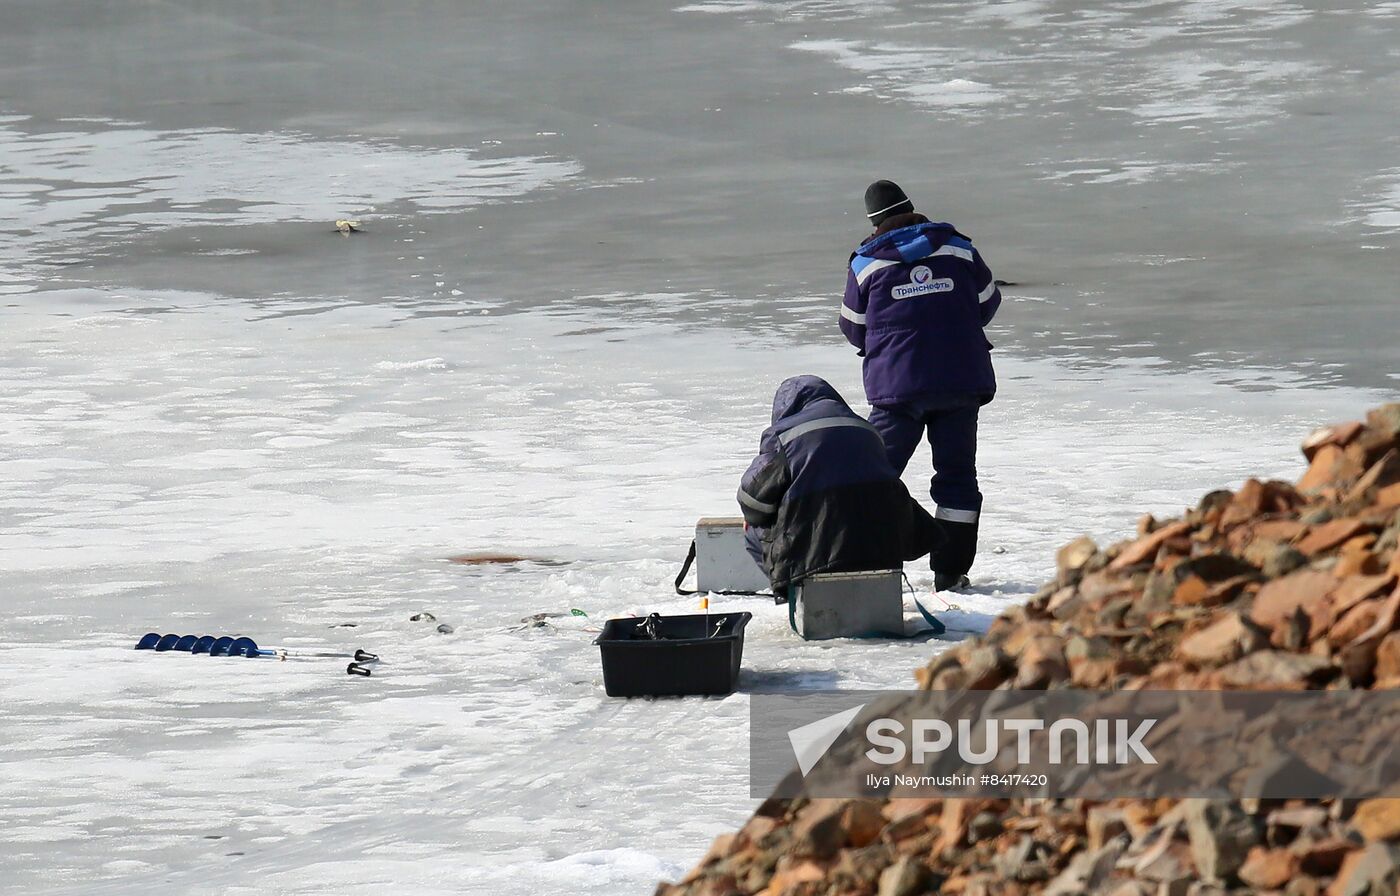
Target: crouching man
x=822, y=496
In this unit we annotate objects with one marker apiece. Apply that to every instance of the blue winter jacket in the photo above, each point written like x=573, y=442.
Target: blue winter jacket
x=916, y=301
x=823, y=493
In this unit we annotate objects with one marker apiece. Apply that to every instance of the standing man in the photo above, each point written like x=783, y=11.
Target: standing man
x=917, y=298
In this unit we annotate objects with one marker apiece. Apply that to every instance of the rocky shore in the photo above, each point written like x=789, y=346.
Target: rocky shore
x=1277, y=586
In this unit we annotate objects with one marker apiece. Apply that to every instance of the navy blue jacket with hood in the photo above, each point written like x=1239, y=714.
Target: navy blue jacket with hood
x=824, y=493
x=917, y=298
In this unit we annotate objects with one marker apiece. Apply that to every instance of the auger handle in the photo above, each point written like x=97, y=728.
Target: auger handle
x=357, y=669
x=364, y=656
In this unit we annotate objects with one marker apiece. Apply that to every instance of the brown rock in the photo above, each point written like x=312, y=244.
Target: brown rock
x=1221, y=835
x=1284, y=530
x=721, y=847
x=1382, y=473
x=1298, y=818
x=1330, y=466
x=1302, y=886
x=1339, y=434
x=1165, y=861
x=986, y=667
x=1215, y=567
x=1275, y=668
x=1274, y=558
x=1103, y=823
x=946, y=660
x=820, y=828
x=1354, y=590
x=1331, y=535
x=1210, y=502
x=1093, y=662
x=1177, y=886
x=1223, y=641
x=724, y=885
x=792, y=872
x=1191, y=591
x=953, y=823
x=1042, y=664
x=1098, y=587
x=1358, y=658
x=1249, y=502
x=754, y=830
x=1144, y=549
x=1388, y=657
x=1322, y=513
x=1385, y=419
x=1372, y=871
x=1353, y=622
x=984, y=826
x=951, y=679
x=1304, y=590
x=1388, y=498
x=1378, y=819
x=863, y=823
x=1356, y=559
x=1268, y=869
x=905, y=877
x=900, y=809
x=1071, y=558
x=1017, y=639
x=1139, y=817
x=1080, y=649
x=1087, y=872
x=859, y=867
x=903, y=828
x=1060, y=599
x=1321, y=856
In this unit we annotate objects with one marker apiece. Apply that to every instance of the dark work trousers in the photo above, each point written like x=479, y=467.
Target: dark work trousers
x=951, y=424
x=753, y=543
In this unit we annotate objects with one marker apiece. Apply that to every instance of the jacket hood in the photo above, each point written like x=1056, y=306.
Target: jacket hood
x=909, y=243
x=798, y=392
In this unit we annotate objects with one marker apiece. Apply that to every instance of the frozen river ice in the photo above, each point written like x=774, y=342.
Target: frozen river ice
x=594, y=242
x=177, y=463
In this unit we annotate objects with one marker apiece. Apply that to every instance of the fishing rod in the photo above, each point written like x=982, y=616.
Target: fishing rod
x=226, y=645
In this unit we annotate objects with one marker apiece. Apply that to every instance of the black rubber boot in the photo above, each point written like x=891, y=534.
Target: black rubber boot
x=954, y=557
x=948, y=582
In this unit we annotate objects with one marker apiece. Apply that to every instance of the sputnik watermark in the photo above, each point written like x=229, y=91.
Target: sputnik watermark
x=1076, y=744
x=1111, y=741
x=1068, y=741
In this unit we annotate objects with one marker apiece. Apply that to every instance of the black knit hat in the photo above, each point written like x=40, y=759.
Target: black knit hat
x=884, y=199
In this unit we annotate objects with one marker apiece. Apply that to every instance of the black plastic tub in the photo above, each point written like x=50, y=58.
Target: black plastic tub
x=694, y=655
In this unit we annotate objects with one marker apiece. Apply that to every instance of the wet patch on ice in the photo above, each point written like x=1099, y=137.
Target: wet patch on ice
x=1381, y=209
x=91, y=186
x=424, y=364
x=487, y=558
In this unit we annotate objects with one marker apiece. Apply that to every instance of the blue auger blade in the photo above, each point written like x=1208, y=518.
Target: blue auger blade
x=185, y=643
x=203, y=644
x=148, y=641
x=243, y=647
x=220, y=647
x=166, y=642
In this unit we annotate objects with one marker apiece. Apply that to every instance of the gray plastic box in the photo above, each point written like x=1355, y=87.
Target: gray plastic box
x=721, y=563
x=850, y=605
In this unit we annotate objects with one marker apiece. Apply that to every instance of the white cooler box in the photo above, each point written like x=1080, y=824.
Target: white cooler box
x=721, y=563
x=849, y=605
